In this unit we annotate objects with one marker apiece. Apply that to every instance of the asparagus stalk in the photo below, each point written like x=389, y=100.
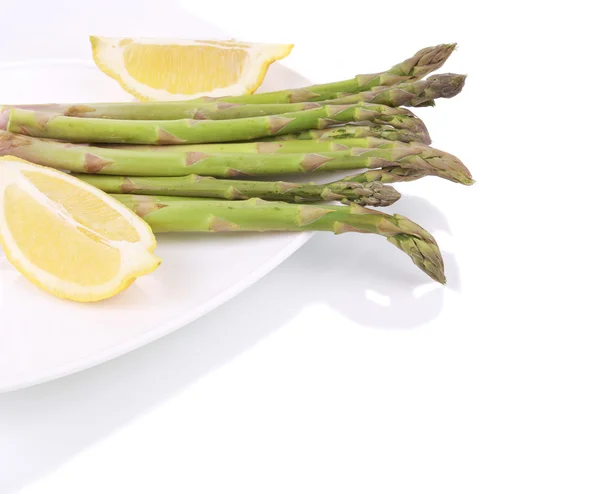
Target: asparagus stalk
x=284, y=147
x=183, y=131
x=416, y=67
x=178, y=214
x=87, y=159
x=367, y=194
x=405, y=94
x=167, y=110
x=358, y=131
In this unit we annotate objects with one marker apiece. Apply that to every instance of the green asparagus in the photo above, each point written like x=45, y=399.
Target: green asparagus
x=367, y=194
x=179, y=214
x=87, y=159
x=404, y=94
x=75, y=129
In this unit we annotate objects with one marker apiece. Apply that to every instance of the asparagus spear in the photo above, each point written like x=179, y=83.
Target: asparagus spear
x=284, y=147
x=416, y=67
x=358, y=131
x=172, y=214
x=367, y=194
x=87, y=159
x=183, y=131
x=167, y=110
x=405, y=94
x=415, y=93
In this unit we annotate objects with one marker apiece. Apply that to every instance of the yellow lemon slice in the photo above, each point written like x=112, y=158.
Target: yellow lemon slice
x=168, y=69
x=67, y=237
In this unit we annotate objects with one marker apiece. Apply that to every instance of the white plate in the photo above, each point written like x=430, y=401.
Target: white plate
x=42, y=338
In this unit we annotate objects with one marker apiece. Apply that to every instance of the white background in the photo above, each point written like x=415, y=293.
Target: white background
x=333, y=374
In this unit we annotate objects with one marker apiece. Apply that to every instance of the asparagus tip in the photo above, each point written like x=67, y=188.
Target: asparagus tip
x=448, y=85
x=425, y=255
x=433, y=57
x=379, y=194
x=420, y=246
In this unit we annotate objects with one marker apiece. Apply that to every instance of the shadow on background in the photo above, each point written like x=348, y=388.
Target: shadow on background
x=43, y=427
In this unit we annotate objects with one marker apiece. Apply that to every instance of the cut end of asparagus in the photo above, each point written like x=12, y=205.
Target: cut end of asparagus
x=9, y=142
x=4, y=117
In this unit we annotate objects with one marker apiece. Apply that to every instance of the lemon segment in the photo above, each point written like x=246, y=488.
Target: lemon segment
x=69, y=238
x=165, y=69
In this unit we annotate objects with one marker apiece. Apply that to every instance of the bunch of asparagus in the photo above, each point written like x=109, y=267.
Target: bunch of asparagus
x=204, y=165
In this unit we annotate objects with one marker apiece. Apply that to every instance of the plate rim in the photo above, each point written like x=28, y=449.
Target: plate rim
x=165, y=329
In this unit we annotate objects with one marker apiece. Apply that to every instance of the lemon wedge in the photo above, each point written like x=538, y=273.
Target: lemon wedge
x=170, y=69
x=67, y=237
